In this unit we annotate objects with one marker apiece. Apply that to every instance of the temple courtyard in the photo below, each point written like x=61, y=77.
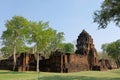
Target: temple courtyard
x=83, y=75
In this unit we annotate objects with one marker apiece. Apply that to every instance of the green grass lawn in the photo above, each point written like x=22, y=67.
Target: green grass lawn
x=83, y=75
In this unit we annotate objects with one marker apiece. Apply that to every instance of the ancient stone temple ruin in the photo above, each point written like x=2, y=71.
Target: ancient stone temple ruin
x=65, y=62
x=25, y=62
x=86, y=47
x=85, y=58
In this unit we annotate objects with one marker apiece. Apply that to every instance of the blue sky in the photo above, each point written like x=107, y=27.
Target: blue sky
x=68, y=16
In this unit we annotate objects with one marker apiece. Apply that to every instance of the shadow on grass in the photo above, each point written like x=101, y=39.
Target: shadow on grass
x=11, y=72
x=75, y=78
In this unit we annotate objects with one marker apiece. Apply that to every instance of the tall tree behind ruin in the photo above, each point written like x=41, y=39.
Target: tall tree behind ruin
x=40, y=34
x=55, y=43
x=12, y=37
x=110, y=11
x=104, y=48
x=113, y=50
x=68, y=47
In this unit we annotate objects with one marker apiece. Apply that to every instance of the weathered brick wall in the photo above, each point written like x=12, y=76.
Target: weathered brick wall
x=27, y=62
x=102, y=64
x=110, y=64
x=107, y=64
x=67, y=63
x=23, y=66
x=58, y=63
x=6, y=64
x=55, y=64
x=77, y=63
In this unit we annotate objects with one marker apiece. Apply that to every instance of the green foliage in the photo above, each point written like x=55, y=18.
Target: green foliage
x=1, y=55
x=68, y=47
x=20, y=33
x=113, y=49
x=14, y=35
x=104, y=54
x=6, y=51
x=41, y=34
x=104, y=47
x=56, y=42
x=110, y=11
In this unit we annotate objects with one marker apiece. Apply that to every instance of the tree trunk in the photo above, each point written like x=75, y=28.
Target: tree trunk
x=117, y=62
x=14, y=55
x=103, y=55
x=37, y=62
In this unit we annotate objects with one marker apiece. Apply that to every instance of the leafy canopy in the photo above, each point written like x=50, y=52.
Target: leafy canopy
x=113, y=49
x=40, y=34
x=110, y=11
x=68, y=47
x=15, y=30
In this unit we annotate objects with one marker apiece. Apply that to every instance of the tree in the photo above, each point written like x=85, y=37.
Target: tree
x=68, y=47
x=7, y=49
x=40, y=34
x=113, y=50
x=110, y=11
x=13, y=36
x=56, y=42
x=1, y=56
x=104, y=48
